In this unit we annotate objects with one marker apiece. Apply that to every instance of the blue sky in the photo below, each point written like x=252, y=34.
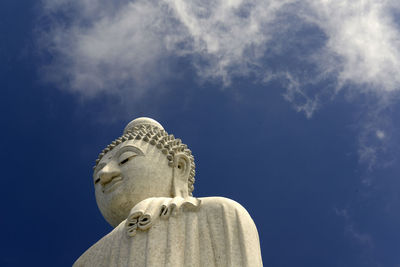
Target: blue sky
x=290, y=108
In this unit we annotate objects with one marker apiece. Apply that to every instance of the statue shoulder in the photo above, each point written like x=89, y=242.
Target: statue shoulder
x=218, y=201
x=226, y=204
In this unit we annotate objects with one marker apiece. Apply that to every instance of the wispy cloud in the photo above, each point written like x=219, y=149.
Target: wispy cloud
x=106, y=45
x=233, y=37
x=125, y=46
x=363, y=239
x=364, y=39
x=378, y=137
x=108, y=49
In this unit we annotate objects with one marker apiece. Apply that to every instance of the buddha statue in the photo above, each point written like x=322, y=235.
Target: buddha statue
x=143, y=185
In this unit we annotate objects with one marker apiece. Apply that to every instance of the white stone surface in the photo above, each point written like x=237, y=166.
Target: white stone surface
x=143, y=184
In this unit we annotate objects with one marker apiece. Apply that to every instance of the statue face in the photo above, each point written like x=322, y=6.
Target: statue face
x=128, y=174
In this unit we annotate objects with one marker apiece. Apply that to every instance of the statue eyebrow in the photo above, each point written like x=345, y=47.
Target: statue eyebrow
x=129, y=148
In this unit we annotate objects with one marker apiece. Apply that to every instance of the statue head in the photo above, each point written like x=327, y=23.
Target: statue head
x=144, y=162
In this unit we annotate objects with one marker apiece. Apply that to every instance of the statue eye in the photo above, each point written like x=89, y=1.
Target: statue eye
x=97, y=180
x=125, y=157
x=124, y=161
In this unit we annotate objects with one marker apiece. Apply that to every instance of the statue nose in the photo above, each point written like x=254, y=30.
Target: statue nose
x=109, y=172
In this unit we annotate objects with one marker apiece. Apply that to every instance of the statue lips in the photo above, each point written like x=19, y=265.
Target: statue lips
x=112, y=184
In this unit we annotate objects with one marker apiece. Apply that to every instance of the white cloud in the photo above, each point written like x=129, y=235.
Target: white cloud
x=122, y=49
x=106, y=44
x=232, y=36
x=124, y=46
x=364, y=38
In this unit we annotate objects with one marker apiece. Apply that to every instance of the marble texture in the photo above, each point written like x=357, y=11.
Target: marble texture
x=143, y=186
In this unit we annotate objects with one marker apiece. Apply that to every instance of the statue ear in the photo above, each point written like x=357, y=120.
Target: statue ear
x=181, y=175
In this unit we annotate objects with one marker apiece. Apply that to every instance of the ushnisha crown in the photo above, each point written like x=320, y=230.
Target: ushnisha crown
x=152, y=132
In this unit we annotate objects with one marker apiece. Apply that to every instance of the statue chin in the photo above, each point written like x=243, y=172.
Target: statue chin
x=114, y=209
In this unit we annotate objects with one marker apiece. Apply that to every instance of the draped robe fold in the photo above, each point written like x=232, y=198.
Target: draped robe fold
x=213, y=231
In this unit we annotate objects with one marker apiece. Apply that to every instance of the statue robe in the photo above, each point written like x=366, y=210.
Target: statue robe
x=177, y=232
